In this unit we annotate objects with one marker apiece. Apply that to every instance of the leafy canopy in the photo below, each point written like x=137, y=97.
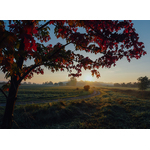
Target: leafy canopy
x=23, y=39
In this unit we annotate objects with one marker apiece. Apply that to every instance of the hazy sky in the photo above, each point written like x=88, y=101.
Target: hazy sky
x=122, y=72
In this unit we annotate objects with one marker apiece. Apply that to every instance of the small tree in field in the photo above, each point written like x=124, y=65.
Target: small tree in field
x=86, y=87
x=21, y=40
x=72, y=81
x=143, y=83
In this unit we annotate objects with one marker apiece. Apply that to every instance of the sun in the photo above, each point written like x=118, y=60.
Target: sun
x=88, y=78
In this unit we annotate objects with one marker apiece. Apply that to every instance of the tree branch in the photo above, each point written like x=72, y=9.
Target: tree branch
x=60, y=48
x=36, y=65
x=2, y=39
x=26, y=73
x=97, y=32
x=43, y=25
x=3, y=93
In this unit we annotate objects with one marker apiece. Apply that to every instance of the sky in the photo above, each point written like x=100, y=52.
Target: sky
x=124, y=71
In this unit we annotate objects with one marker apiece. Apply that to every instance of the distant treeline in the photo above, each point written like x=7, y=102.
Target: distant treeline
x=135, y=84
x=71, y=82
x=2, y=83
x=74, y=83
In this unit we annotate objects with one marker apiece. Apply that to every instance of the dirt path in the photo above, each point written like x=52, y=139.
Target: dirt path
x=95, y=93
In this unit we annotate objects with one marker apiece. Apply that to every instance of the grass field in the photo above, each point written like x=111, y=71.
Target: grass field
x=112, y=109
x=39, y=93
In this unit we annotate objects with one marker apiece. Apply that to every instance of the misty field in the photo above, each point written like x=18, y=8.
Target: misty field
x=112, y=109
x=39, y=93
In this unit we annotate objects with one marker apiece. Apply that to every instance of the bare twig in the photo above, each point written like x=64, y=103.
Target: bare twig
x=43, y=25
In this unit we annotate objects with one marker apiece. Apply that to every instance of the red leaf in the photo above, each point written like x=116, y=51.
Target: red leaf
x=42, y=72
x=60, y=30
x=35, y=31
x=144, y=53
x=56, y=60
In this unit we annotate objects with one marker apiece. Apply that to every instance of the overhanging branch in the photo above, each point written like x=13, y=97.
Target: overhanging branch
x=26, y=73
x=60, y=48
x=97, y=32
x=36, y=65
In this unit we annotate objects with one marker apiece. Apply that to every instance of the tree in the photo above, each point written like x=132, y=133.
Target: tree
x=117, y=84
x=143, y=83
x=72, y=81
x=123, y=84
x=129, y=84
x=60, y=84
x=48, y=83
x=86, y=87
x=22, y=40
x=56, y=84
x=135, y=84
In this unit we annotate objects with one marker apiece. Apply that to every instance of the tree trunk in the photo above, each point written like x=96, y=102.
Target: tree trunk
x=10, y=104
x=13, y=91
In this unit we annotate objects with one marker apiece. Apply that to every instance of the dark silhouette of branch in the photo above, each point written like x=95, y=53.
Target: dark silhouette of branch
x=98, y=33
x=4, y=93
x=43, y=25
x=25, y=74
x=2, y=39
x=39, y=64
x=60, y=48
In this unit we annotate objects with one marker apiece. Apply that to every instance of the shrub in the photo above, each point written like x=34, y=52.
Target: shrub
x=86, y=87
x=77, y=88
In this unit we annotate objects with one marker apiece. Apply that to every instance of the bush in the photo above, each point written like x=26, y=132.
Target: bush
x=86, y=87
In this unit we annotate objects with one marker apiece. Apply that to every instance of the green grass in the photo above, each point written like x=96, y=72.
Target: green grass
x=39, y=93
x=126, y=88
x=134, y=92
x=110, y=110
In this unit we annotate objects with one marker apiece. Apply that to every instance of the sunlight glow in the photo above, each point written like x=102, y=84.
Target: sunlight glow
x=89, y=78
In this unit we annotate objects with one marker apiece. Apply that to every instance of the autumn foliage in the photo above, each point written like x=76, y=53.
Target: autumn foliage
x=23, y=40
x=100, y=37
